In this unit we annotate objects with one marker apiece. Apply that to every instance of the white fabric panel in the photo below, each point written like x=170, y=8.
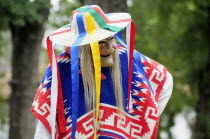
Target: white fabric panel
x=165, y=93
x=41, y=131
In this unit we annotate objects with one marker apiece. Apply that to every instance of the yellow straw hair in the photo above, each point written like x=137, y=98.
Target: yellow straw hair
x=89, y=78
x=117, y=80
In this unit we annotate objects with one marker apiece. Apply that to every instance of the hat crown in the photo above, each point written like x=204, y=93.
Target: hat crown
x=78, y=23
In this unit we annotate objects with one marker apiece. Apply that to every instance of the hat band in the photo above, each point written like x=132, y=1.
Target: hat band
x=91, y=31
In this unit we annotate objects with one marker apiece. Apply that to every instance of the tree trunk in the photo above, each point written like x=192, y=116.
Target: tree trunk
x=202, y=129
x=26, y=49
x=108, y=6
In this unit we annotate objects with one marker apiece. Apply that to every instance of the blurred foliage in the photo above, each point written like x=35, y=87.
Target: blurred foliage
x=176, y=34
x=21, y=11
x=4, y=94
x=4, y=112
x=61, y=16
x=5, y=47
x=18, y=13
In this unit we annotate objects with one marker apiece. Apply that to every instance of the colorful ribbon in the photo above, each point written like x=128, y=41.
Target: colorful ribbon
x=120, y=39
x=54, y=87
x=91, y=30
x=130, y=36
x=75, y=71
x=130, y=39
x=56, y=94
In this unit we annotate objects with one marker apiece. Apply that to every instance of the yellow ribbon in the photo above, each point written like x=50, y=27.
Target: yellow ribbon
x=91, y=32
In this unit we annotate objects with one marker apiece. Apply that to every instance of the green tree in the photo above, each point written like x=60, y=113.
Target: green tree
x=26, y=20
x=176, y=34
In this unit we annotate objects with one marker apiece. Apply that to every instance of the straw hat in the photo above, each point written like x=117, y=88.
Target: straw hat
x=106, y=25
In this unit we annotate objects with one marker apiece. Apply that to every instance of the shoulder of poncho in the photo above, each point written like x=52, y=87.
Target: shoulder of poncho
x=151, y=62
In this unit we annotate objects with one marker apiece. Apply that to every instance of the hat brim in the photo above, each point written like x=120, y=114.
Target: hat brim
x=66, y=37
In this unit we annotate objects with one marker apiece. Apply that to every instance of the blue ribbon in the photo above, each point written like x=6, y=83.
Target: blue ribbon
x=75, y=71
x=136, y=58
x=119, y=38
x=125, y=67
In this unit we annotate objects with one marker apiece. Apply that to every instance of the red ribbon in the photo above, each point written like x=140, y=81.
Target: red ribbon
x=130, y=67
x=60, y=116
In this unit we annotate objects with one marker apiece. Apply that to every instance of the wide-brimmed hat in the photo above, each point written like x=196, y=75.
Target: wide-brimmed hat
x=106, y=25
